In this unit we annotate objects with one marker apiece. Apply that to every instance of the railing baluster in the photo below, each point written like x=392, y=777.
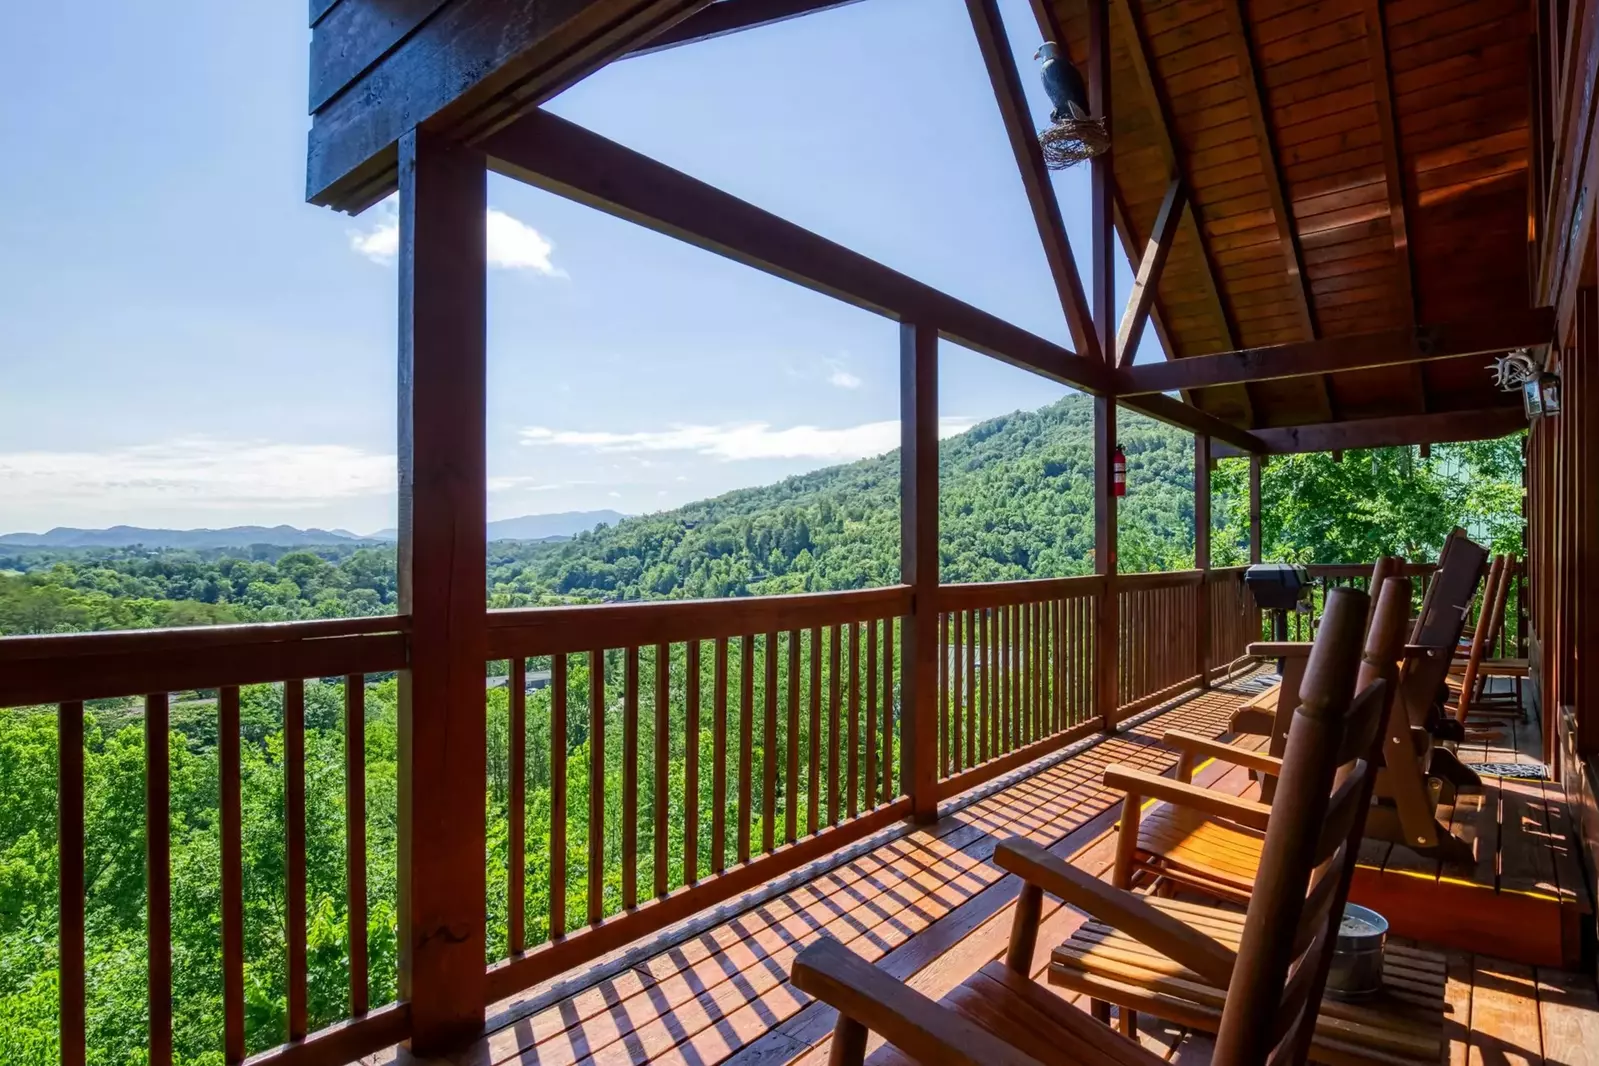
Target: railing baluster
x=973, y=728
x=663, y=766
x=870, y=800
x=69, y=844
x=746, y=801
x=769, y=751
x=943, y=752
x=719, y=759
x=852, y=764
x=558, y=731
x=629, y=779
x=354, y=835
x=834, y=716
x=791, y=774
x=294, y=858
x=691, y=764
x=516, y=861
x=813, y=773
x=889, y=718
x=158, y=878
x=596, y=870
x=957, y=654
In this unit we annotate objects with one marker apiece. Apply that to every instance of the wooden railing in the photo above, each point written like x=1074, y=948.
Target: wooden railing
x=655, y=758
x=66, y=671
x=734, y=740
x=1016, y=669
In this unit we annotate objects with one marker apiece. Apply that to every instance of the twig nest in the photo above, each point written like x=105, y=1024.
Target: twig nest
x=1072, y=140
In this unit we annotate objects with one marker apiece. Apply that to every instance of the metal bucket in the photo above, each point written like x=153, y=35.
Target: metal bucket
x=1356, y=970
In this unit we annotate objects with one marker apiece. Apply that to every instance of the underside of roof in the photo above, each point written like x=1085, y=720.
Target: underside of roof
x=1350, y=166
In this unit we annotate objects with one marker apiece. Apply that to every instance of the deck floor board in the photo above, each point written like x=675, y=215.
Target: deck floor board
x=930, y=907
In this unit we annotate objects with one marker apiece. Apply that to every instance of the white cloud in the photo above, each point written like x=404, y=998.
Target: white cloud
x=839, y=376
x=743, y=440
x=512, y=243
x=191, y=474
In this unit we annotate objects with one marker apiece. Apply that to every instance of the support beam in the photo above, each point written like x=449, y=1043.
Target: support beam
x=1271, y=172
x=1440, y=428
x=1182, y=415
x=441, y=561
x=1202, y=558
x=732, y=16
x=918, y=565
x=998, y=58
x=460, y=74
x=567, y=159
x=1489, y=335
x=1107, y=652
x=1142, y=298
x=1102, y=252
x=1394, y=177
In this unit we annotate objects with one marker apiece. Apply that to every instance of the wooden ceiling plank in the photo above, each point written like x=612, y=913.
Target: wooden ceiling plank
x=1489, y=334
x=1393, y=170
x=562, y=157
x=1000, y=62
x=1150, y=266
x=1444, y=427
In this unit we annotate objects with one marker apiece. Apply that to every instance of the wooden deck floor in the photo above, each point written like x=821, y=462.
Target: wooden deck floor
x=929, y=906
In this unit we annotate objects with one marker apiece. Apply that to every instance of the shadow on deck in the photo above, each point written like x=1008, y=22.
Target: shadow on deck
x=928, y=905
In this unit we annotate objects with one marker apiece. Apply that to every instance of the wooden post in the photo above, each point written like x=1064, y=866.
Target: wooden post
x=441, y=566
x=918, y=563
x=1107, y=650
x=1582, y=407
x=1202, y=654
x=1102, y=270
x=1255, y=463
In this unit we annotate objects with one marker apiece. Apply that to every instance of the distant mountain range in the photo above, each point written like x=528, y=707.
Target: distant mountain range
x=527, y=527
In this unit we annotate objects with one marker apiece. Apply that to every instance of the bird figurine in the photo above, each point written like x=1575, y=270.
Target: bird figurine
x=1064, y=85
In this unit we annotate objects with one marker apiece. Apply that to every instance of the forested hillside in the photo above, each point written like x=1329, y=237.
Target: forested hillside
x=1016, y=503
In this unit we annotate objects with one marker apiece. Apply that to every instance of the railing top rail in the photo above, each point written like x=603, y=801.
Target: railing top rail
x=1168, y=580
x=1364, y=569
x=190, y=638
x=969, y=596
x=551, y=630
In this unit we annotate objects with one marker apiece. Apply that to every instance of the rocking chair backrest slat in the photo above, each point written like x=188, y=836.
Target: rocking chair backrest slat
x=1304, y=872
x=1480, y=636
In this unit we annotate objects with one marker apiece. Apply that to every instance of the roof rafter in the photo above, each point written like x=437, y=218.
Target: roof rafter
x=1271, y=171
x=1489, y=335
x=1188, y=221
x=731, y=16
x=1150, y=265
x=1483, y=423
x=560, y=156
x=1393, y=171
x=989, y=28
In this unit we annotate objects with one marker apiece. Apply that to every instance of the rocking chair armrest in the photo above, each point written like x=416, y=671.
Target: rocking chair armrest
x=925, y=1030
x=1127, y=911
x=1214, y=749
x=1280, y=649
x=1205, y=800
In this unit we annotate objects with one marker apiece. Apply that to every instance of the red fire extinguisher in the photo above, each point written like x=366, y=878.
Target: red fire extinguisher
x=1118, y=473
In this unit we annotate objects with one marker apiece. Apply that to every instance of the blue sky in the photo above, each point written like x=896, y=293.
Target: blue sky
x=185, y=342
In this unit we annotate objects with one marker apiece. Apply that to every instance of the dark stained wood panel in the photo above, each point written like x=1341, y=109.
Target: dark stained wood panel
x=1455, y=97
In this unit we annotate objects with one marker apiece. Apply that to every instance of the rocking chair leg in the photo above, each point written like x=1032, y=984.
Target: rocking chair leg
x=1100, y=1010
x=1127, y=1022
x=1024, y=929
x=849, y=1043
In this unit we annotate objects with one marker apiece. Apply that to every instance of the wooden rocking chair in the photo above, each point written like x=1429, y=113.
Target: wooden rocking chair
x=1470, y=691
x=1256, y=979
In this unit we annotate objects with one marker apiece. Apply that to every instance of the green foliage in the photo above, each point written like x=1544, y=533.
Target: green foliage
x=1016, y=502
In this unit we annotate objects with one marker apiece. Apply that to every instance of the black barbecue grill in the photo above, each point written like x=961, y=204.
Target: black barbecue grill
x=1277, y=588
